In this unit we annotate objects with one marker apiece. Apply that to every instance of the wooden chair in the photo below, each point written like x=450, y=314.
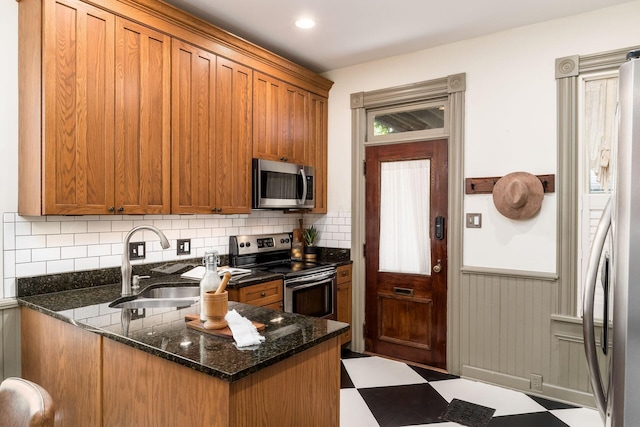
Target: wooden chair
x=25, y=404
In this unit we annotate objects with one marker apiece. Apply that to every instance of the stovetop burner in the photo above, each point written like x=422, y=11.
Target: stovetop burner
x=269, y=252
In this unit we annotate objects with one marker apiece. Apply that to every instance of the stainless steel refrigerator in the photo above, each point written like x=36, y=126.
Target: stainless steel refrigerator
x=619, y=400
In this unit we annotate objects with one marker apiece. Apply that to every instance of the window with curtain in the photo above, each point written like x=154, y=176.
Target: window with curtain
x=598, y=136
x=405, y=245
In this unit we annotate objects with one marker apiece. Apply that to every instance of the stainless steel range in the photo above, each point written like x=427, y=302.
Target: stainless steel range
x=309, y=288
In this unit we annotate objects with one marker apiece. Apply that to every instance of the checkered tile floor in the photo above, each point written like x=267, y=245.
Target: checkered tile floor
x=381, y=392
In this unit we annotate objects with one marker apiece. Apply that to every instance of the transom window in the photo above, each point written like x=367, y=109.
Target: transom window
x=409, y=121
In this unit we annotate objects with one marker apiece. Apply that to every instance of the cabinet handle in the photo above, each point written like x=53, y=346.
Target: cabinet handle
x=284, y=159
x=262, y=294
x=213, y=209
x=112, y=208
x=120, y=209
x=344, y=273
x=220, y=210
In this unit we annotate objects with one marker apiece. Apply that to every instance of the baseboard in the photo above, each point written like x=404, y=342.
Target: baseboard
x=549, y=391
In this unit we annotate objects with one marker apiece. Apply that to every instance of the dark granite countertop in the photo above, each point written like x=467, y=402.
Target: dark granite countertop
x=164, y=333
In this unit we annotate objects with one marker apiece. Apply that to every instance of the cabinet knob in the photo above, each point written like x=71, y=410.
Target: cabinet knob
x=120, y=209
x=213, y=210
x=262, y=294
x=344, y=273
x=112, y=208
x=284, y=159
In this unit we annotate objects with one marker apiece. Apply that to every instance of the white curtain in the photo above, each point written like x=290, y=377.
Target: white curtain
x=600, y=126
x=405, y=246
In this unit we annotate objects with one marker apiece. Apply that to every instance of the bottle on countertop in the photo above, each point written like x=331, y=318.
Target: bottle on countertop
x=211, y=280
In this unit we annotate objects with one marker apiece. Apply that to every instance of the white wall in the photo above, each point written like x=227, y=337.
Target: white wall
x=510, y=119
x=8, y=110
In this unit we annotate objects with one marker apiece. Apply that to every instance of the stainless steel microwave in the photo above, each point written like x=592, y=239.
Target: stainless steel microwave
x=279, y=185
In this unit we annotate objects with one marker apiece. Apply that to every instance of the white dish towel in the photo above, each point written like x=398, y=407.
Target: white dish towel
x=244, y=332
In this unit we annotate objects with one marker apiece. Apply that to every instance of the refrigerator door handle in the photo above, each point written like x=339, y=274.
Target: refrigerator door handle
x=588, y=329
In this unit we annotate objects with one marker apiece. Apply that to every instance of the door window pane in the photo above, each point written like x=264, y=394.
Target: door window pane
x=405, y=245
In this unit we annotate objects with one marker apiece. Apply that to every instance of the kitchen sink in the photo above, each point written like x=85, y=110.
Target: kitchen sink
x=161, y=295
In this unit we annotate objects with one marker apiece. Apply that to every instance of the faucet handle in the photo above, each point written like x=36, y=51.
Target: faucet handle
x=135, y=281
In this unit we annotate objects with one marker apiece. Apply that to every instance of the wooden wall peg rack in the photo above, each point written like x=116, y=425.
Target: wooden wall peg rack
x=485, y=185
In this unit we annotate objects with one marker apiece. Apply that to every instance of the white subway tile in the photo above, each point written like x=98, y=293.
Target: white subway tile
x=172, y=234
x=188, y=234
x=212, y=223
x=113, y=237
x=203, y=232
x=45, y=228
x=86, y=312
x=23, y=229
x=162, y=224
x=98, y=250
x=122, y=225
x=345, y=245
x=98, y=226
x=339, y=221
x=232, y=231
x=9, y=217
x=9, y=264
x=196, y=223
x=9, y=288
x=9, y=236
x=179, y=224
x=58, y=240
x=117, y=248
x=217, y=232
x=153, y=217
x=31, y=269
x=21, y=218
x=45, y=254
x=59, y=218
x=73, y=252
x=60, y=266
x=94, y=218
x=30, y=242
x=23, y=255
x=82, y=264
x=345, y=229
x=110, y=261
x=73, y=227
x=225, y=223
x=330, y=228
x=86, y=239
x=99, y=321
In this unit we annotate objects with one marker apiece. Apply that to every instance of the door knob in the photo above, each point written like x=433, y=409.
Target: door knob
x=438, y=267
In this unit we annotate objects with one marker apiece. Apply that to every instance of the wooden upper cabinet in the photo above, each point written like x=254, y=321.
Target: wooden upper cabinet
x=78, y=92
x=143, y=122
x=234, y=124
x=317, y=122
x=280, y=130
x=211, y=152
x=193, y=109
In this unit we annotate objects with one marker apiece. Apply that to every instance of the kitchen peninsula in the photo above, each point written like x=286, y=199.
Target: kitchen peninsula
x=106, y=366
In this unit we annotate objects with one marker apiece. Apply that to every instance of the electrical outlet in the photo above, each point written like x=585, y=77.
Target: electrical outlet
x=536, y=382
x=137, y=250
x=138, y=313
x=184, y=247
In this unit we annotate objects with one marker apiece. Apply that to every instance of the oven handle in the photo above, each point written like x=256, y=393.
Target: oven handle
x=312, y=284
x=311, y=277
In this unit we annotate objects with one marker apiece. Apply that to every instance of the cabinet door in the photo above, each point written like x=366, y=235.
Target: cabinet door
x=318, y=149
x=344, y=299
x=78, y=43
x=193, y=147
x=143, y=73
x=294, y=142
x=267, y=109
x=233, y=137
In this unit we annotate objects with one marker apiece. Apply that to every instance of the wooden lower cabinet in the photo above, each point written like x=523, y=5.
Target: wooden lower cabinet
x=66, y=361
x=344, y=300
x=268, y=295
x=95, y=381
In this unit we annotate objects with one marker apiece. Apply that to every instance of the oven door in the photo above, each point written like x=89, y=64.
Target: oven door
x=311, y=295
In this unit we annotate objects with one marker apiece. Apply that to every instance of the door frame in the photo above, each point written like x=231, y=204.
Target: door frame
x=452, y=88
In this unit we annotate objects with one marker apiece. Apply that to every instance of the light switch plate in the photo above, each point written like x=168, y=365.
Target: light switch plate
x=474, y=220
x=184, y=247
x=137, y=250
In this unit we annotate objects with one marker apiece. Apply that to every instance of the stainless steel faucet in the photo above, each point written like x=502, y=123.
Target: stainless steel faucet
x=126, y=262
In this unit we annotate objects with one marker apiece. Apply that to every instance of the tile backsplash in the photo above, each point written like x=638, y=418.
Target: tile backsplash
x=57, y=244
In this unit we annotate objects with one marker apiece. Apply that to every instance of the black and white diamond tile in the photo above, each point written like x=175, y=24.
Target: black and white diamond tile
x=377, y=392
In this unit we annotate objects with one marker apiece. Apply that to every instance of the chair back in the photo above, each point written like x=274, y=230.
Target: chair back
x=25, y=404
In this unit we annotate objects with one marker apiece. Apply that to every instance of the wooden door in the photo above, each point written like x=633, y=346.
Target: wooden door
x=193, y=130
x=318, y=149
x=406, y=256
x=294, y=141
x=233, y=132
x=143, y=122
x=267, y=108
x=78, y=43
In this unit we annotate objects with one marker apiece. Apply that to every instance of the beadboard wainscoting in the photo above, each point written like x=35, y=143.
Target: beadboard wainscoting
x=9, y=338
x=509, y=332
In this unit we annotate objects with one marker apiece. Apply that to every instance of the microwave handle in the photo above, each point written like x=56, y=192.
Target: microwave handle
x=304, y=186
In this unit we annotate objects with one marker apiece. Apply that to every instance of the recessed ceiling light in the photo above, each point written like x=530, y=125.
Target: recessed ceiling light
x=305, y=23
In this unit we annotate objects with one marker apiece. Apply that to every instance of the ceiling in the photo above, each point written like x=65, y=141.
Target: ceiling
x=350, y=32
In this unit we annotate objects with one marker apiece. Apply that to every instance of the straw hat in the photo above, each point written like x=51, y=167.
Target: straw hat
x=518, y=195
